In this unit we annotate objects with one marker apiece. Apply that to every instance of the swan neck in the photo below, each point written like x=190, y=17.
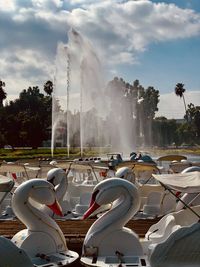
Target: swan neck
x=61, y=189
x=34, y=219
x=121, y=212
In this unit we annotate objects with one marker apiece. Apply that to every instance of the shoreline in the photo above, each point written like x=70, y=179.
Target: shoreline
x=61, y=153
x=178, y=151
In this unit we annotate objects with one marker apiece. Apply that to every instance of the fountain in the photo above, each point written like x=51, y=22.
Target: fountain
x=104, y=116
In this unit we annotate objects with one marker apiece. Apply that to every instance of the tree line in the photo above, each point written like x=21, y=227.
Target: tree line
x=26, y=121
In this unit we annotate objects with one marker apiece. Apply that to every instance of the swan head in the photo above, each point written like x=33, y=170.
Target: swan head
x=108, y=191
x=40, y=191
x=125, y=173
x=43, y=192
x=55, y=176
x=53, y=163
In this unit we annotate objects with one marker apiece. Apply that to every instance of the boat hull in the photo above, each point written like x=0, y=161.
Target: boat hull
x=75, y=230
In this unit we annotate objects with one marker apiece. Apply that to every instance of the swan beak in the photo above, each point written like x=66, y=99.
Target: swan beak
x=91, y=209
x=56, y=208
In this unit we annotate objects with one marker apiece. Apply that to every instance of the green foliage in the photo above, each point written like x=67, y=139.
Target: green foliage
x=193, y=115
x=179, y=91
x=24, y=121
x=41, y=153
x=48, y=87
x=165, y=132
x=169, y=132
x=150, y=104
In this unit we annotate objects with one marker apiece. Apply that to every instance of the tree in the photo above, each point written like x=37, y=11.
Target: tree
x=28, y=118
x=179, y=91
x=3, y=94
x=165, y=132
x=193, y=115
x=48, y=87
x=149, y=108
x=3, y=137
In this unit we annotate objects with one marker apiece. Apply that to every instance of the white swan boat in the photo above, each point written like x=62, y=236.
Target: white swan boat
x=65, y=194
x=155, y=200
x=109, y=243
x=175, y=239
x=42, y=243
x=58, y=177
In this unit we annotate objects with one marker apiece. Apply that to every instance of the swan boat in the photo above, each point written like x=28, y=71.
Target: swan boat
x=67, y=191
x=42, y=243
x=58, y=177
x=109, y=243
x=74, y=230
x=6, y=185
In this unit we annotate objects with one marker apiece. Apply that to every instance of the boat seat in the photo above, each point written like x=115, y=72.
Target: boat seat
x=152, y=207
x=169, y=223
x=182, y=248
x=160, y=231
x=83, y=205
x=185, y=217
x=74, y=201
x=177, y=167
x=145, y=190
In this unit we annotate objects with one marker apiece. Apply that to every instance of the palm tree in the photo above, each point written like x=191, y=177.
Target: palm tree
x=48, y=87
x=3, y=94
x=179, y=91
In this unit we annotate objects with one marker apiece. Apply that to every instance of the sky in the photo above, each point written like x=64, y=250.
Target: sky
x=155, y=41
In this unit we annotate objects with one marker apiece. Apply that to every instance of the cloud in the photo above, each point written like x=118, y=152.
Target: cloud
x=24, y=68
x=7, y=6
x=46, y=4
x=172, y=107
x=85, y=3
x=129, y=27
x=119, y=31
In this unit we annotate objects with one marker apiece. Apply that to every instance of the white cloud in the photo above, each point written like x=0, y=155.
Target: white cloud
x=24, y=68
x=131, y=26
x=119, y=31
x=23, y=15
x=87, y=2
x=46, y=4
x=7, y=6
x=172, y=106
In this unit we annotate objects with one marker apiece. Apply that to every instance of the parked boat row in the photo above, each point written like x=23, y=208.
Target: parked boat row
x=118, y=202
